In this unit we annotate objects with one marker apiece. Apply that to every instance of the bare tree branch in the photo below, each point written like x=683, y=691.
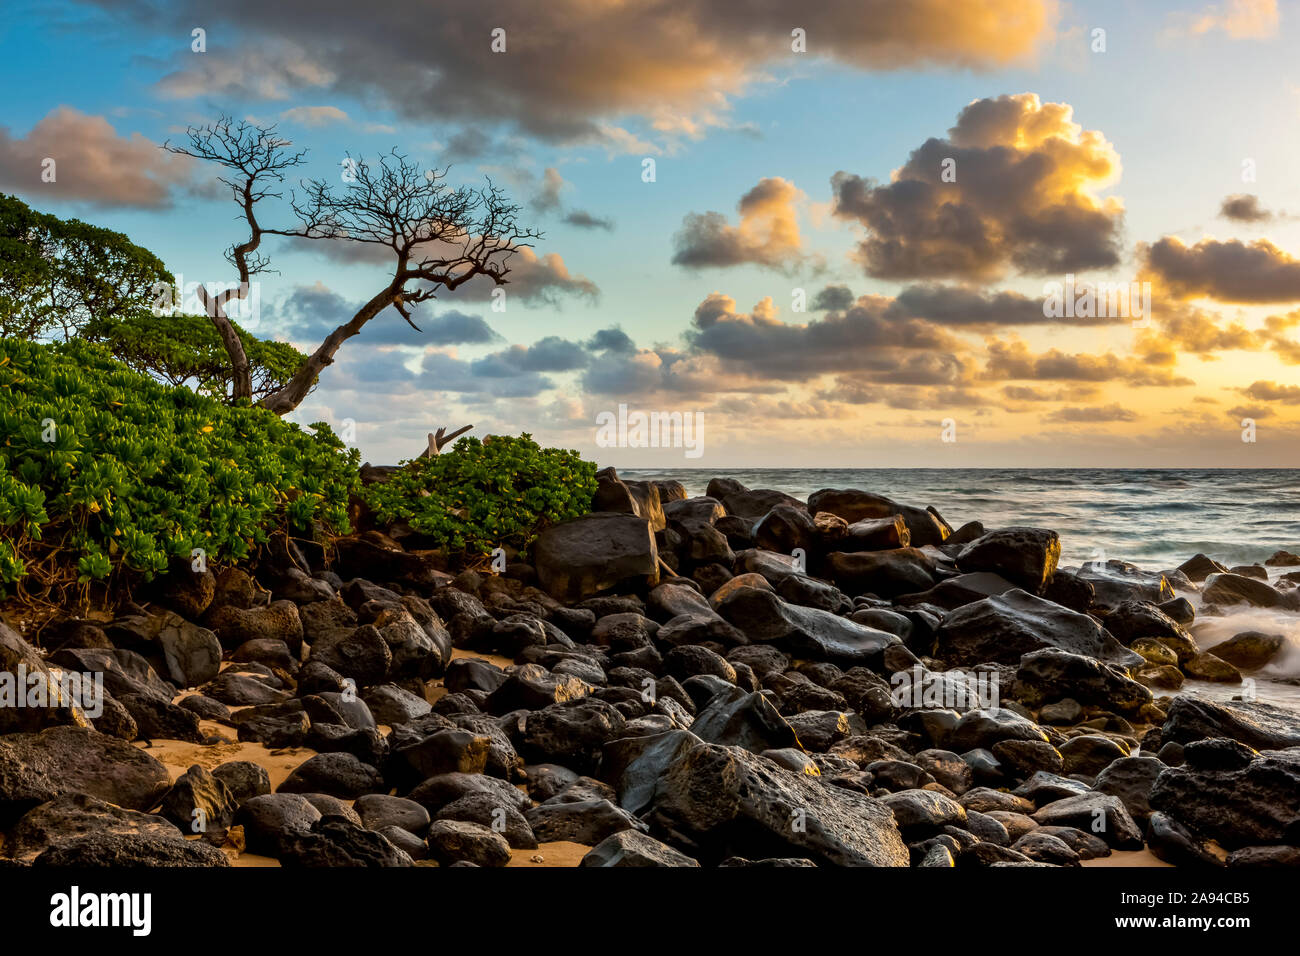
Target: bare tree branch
x=257, y=157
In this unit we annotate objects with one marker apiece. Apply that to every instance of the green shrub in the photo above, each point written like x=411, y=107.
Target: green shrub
x=484, y=495
x=103, y=469
x=180, y=349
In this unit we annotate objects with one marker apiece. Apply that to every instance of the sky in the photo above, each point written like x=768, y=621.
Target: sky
x=830, y=235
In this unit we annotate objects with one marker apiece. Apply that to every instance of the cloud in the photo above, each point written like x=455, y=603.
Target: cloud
x=953, y=306
x=448, y=373
x=1243, y=207
x=1023, y=198
x=611, y=340
x=473, y=143
x=1226, y=270
x=551, y=354
x=457, y=328
x=832, y=298
x=547, y=198
x=585, y=220
x=314, y=116
x=863, y=338
x=1273, y=392
x=249, y=71
x=92, y=163
x=1012, y=361
x=532, y=278
x=766, y=235
x=1198, y=332
x=571, y=68
x=1095, y=413
x=1239, y=19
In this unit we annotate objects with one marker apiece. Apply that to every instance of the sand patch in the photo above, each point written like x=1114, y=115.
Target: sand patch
x=560, y=853
x=1143, y=857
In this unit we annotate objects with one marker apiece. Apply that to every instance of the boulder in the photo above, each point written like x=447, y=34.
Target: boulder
x=1114, y=582
x=31, y=695
x=1001, y=629
x=1025, y=556
x=1258, y=725
x=724, y=801
x=925, y=526
x=1250, y=650
x=885, y=574
x=634, y=848
x=585, y=556
x=764, y=618
x=1227, y=588
x=1050, y=674
x=1238, y=807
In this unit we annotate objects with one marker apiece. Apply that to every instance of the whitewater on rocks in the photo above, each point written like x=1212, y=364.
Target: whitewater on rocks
x=735, y=678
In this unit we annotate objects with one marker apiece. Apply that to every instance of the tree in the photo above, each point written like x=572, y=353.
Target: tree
x=439, y=237
x=59, y=275
x=256, y=158
x=182, y=349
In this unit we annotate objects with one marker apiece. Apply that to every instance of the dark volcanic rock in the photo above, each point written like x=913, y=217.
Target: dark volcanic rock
x=1099, y=813
x=584, y=556
x=852, y=505
x=334, y=841
x=764, y=617
x=1257, y=804
x=117, y=851
x=1257, y=725
x=633, y=848
x=1050, y=675
x=38, y=767
x=452, y=841
x=736, y=718
x=1239, y=589
x=1249, y=649
x=1025, y=556
x=1001, y=629
x=725, y=801
x=886, y=574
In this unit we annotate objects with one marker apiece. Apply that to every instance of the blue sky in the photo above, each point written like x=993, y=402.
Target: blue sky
x=1182, y=95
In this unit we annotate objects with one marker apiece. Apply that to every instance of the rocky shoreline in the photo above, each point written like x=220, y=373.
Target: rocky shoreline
x=741, y=678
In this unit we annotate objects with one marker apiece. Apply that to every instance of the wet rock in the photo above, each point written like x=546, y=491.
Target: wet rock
x=925, y=526
x=736, y=718
x=886, y=574
x=981, y=729
x=1227, y=588
x=764, y=617
x=1025, y=556
x=1250, y=649
x=1115, y=582
x=1003, y=628
x=1051, y=674
x=1206, y=666
x=1258, y=725
x=783, y=529
x=1138, y=619
x=1200, y=567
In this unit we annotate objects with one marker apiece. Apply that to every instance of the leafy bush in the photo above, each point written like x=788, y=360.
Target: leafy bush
x=486, y=494
x=178, y=349
x=103, y=469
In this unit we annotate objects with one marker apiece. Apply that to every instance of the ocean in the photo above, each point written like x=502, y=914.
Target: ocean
x=1155, y=518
